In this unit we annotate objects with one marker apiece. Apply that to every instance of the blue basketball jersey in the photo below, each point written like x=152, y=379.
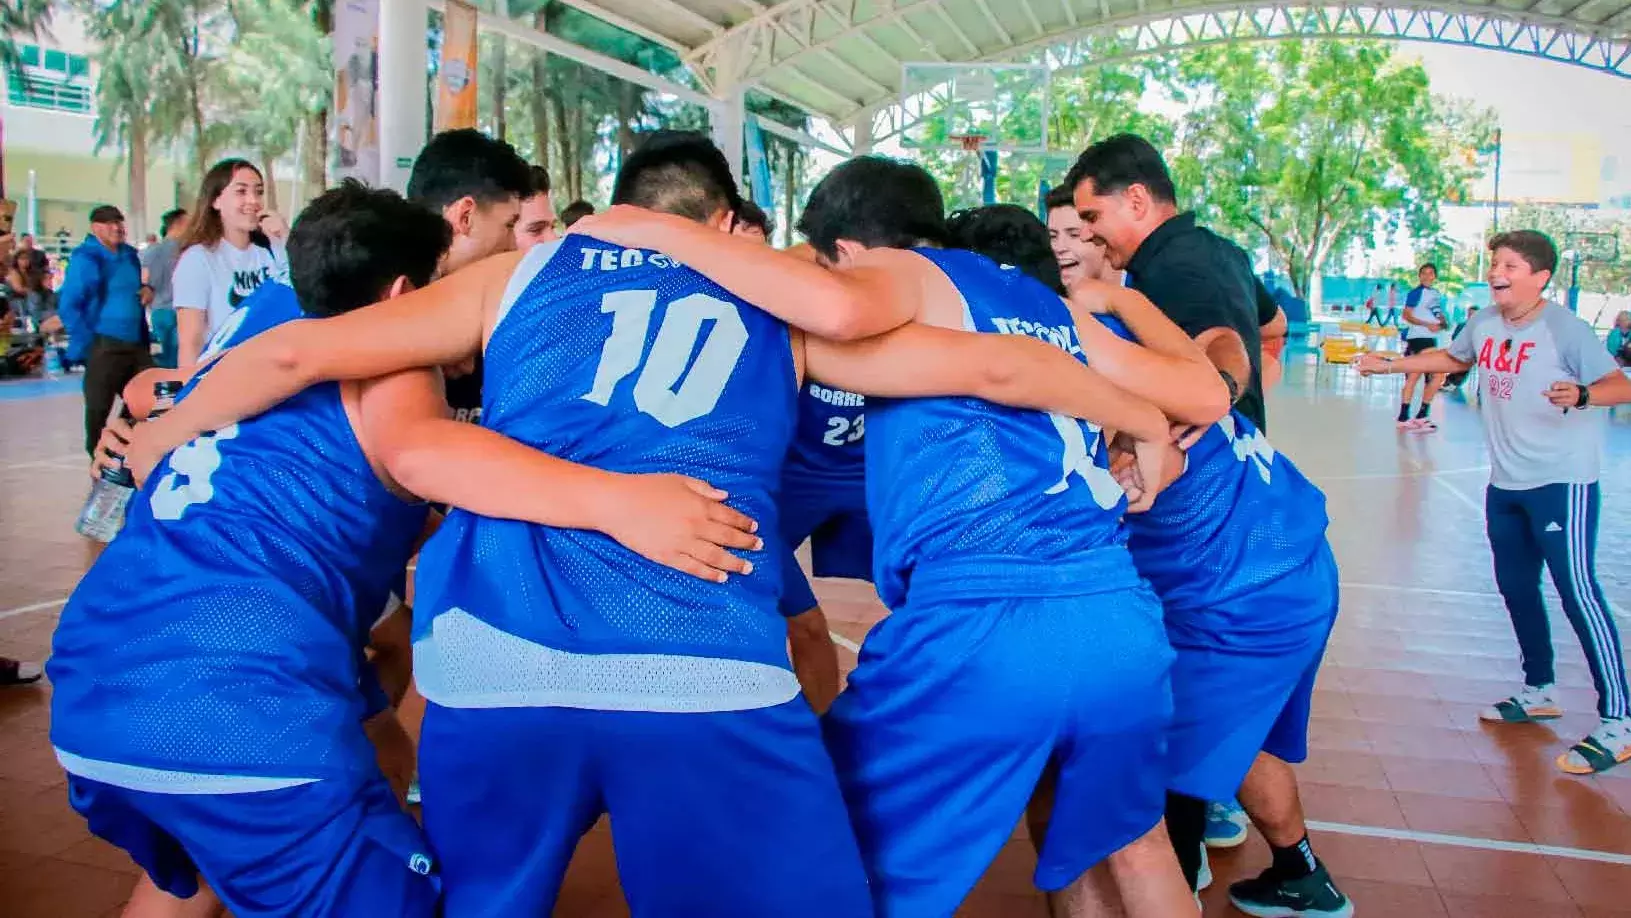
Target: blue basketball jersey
x=950, y=477
x=272, y=304
x=828, y=443
x=623, y=360
x=1240, y=517
x=222, y=632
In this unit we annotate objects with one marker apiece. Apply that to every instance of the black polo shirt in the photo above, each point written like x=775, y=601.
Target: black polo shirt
x=1203, y=281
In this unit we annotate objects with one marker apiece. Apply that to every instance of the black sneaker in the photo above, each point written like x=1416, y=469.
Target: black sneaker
x=1270, y=896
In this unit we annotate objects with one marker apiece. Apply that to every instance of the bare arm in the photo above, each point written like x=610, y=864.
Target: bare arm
x=1165, y=367
x=1021, y=372
x=841, y=306
x=673, y=520
x=191, y=328
x=1612, y=389
x=441, y=324
x=1434, y=361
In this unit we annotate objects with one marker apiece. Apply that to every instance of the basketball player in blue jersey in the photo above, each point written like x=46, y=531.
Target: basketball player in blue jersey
x=561, y=669
x=1235, y=546
x=208, y=703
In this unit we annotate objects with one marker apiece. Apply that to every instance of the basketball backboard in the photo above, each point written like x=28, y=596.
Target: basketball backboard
x=1003, y=106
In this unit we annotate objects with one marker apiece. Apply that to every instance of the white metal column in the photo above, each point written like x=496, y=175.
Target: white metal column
x=729, y=116
x=404, y=68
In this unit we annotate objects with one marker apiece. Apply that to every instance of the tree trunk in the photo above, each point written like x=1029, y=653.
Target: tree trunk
x=575, y=166
x=628, y=108
x=563, y=146
x=538, y=102
x=316, y=153
x=790, y=189
x=136, y=175
x=269, y=174
x=501, y=77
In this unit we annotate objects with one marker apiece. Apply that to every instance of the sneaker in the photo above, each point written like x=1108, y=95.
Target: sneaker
x=1532, y=704
x=1226, y=825
x=1407, y=424
x=1269, y=896
x=1422, y=425
x=1602, y=749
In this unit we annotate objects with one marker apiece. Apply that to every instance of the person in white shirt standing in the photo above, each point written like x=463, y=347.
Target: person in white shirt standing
x=1542, y=372
x=225, y=256
x=1424, y=319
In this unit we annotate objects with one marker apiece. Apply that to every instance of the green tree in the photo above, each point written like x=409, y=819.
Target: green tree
x=1313, y=147
x=273, y=78
x=1577, y=230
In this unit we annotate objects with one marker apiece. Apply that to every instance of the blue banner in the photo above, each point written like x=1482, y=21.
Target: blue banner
x=759, y=167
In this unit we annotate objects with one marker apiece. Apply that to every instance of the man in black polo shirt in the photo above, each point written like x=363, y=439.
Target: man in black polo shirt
x=1203, y=282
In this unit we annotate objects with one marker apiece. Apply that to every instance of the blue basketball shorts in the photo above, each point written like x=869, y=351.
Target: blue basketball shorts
x=329, y=848
x=1247, y=691
x=833, y=517
x=959, y=702
x=732, y=814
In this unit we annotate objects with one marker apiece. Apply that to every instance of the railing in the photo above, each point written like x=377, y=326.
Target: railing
x=32, y=92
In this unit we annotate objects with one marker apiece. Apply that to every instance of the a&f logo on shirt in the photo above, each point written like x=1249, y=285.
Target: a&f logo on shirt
x=1502, y=364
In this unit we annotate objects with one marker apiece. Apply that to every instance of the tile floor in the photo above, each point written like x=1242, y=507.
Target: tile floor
x=1408, y=789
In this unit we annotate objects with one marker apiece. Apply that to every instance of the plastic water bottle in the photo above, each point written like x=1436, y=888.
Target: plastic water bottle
x=53, y=361
x=104, y=511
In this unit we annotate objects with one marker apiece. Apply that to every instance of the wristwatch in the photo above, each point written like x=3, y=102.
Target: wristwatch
x=1584, y=399
x=1233, y=384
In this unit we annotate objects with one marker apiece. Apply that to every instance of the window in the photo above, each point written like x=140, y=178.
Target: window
x=50, y=79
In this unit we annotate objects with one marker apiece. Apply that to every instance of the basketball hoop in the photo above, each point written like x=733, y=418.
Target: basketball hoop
x=971, y=143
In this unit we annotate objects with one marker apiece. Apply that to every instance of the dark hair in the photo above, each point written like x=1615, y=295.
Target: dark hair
x=878, y=202
x=1063, y=196
x=207, y=230
x=1010, y=235
x=576, y=211
x=468, y=164
x=106, y=213
x=680, y=173
x=352, y=242
x=751, y=214
x=169, y=220
x=1426, y=266
x=540, y=180
x=1120, y=162
x=1536, y=249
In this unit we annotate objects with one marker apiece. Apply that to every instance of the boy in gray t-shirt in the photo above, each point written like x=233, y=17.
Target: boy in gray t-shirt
x=1542, y=372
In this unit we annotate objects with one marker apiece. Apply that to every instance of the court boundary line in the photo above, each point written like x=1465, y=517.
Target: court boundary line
x=67, y=460
x=32, y=607
x=1468, y=841
x=1417, y=473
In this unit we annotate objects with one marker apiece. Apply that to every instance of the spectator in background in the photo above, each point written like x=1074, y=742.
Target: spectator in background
x=576, y=211
x=1619, y=339
x=158, y=270
x=29, y=289
x=103, y=307
x=225, y=256
x=1424, y=319
x=538, y=222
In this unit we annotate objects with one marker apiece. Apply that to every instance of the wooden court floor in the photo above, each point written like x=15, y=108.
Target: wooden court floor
x=1419, y=810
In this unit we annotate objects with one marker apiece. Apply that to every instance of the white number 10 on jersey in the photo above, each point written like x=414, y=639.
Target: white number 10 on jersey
x=655, y=391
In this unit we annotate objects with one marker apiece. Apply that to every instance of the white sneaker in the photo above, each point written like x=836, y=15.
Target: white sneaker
x=1532, y=704
x=1602, y=749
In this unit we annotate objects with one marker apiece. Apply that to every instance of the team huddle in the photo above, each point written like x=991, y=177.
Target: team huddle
x=1045, y=478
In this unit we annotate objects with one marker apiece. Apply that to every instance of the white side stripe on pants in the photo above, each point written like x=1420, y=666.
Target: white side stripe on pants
x=1600, y=628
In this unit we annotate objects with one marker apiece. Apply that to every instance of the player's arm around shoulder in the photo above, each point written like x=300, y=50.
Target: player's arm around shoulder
x=440, y=324
x=1165, y=365
x=670, y=519
x=789, y=286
